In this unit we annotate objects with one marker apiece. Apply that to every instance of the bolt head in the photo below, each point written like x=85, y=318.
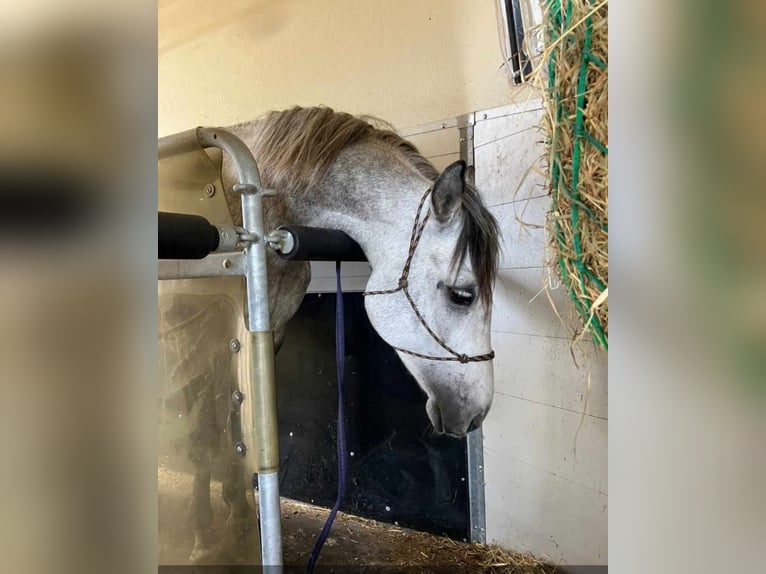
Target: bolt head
x=237, y=397
x=234, y=345
x=209, y=190
x=240, y=449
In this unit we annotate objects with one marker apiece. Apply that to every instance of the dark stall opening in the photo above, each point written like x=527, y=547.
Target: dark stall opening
x=399, y=471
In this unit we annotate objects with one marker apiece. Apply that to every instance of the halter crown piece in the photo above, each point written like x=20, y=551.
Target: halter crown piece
x=417, y=232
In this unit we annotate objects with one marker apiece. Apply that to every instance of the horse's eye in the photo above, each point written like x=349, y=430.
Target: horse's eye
x=462, y=296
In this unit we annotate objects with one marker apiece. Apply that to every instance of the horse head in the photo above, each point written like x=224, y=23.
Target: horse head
x=434, y=306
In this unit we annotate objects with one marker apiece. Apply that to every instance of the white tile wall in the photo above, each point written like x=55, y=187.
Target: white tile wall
x=533, y=510
x=353, y=274
x=327, y=284
x=543, y=370
x=523, y=235
x=548, y=438
x=545, y=438
x=521, y=305
x=507, y=151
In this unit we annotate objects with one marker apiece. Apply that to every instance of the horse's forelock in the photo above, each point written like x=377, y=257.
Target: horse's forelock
x=480, y=241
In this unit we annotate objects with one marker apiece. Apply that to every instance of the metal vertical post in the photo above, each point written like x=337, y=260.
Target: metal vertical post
x=476, y=503
x=261, y=379
x=465, y=130
x=474, y=439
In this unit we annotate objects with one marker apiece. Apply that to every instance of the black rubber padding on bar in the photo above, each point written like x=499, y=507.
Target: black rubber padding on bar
x=182, y=236
x=317, y=244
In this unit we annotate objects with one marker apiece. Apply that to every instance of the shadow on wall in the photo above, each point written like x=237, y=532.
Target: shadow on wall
x=180, y=22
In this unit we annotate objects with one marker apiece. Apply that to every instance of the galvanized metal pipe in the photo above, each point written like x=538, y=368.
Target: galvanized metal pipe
x=476, y=503
x=252, y=220
x=264, y=402
x=177, y=144
x=262, y=382
x=271, y=528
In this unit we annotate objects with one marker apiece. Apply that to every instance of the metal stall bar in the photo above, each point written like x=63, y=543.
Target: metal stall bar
x=474, y=439
x=261, y=380
x=460, y=143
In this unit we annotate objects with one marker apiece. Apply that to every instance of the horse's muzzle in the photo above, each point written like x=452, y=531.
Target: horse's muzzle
x=453, y=422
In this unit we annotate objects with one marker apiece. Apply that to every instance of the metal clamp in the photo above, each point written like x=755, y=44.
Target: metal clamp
x=228, y=237
x=281, y=241
x=245, y=237
x=244, y=188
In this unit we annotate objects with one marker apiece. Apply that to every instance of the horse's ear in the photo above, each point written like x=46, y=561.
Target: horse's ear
x=470, y=174
x=447, y=195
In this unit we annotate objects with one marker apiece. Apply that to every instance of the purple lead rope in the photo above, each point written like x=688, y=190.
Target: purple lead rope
x=340, y=355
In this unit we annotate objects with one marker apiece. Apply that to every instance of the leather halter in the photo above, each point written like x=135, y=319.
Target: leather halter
x=417, y=232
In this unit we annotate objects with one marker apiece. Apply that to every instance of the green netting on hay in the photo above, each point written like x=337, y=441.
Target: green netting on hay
x=576, y=97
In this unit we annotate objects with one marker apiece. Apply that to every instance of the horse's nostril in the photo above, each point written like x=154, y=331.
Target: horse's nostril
x=435, y=415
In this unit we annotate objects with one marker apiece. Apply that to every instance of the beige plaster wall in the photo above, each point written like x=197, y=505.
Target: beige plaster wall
x=407, y=61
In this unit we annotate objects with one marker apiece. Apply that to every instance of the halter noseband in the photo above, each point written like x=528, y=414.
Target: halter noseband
x=417, y=232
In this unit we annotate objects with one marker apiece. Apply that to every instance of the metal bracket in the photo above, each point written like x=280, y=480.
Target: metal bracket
x=251, y=188
x=466, y=144
x=476, y=502
x=228, y=237
x=214, y=265
x=245, y=237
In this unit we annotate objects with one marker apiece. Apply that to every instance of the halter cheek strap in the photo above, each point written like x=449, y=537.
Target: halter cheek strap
x=417, y=232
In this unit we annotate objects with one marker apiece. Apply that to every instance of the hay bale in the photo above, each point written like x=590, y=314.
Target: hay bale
x=574, y=79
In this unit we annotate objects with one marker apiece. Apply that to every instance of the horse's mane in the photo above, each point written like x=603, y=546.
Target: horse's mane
x=297, y=147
